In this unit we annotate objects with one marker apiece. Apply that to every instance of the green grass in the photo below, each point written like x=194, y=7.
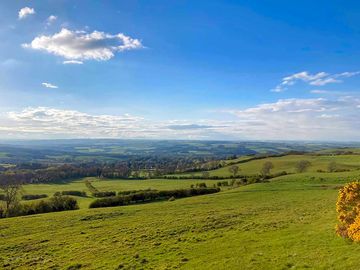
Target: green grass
x=109, y=185
x=287, y=223
x=287, y=163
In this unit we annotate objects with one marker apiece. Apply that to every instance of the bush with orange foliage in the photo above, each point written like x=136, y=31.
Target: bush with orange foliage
x=348, y=209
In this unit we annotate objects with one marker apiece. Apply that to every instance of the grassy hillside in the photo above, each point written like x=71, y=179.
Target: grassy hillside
x=287, y=223
x=287, y=163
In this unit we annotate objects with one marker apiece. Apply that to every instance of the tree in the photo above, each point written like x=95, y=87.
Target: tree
x=332, y=166
x=266, y=168
x=10, y=184
x=234, y=170
x=205, y=174
x=302, y=165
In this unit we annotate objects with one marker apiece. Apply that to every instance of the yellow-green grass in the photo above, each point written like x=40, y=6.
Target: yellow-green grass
x=109, y=185
x=287, y=223
x=287, y=163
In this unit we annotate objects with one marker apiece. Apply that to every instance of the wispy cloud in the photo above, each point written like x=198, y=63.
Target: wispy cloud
x=25, y=12
x=49, y=85
x=81, y=46
x=317, y=79
x=72, y=62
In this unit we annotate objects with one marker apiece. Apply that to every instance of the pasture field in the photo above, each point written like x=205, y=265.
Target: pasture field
x=109, y=185
x=287, y=163
x=285, y=223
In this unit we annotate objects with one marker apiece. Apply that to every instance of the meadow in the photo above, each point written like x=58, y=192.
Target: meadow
x=285, y=223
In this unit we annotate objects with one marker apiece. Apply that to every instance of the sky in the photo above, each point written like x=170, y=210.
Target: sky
x=206, y=70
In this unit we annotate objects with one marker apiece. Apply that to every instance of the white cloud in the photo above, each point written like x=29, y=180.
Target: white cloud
x=72, y=62
x=51, y=19
x=301, y=119
x=49, y=85
x=25, y=12
x=80, y=45
x=285, y=119
x=317, y=79
x=317, y=91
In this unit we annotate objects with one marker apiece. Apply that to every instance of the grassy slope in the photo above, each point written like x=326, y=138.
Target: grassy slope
x=287, y=223
x=287, y=163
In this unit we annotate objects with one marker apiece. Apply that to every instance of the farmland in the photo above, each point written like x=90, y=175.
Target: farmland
x=285, y=223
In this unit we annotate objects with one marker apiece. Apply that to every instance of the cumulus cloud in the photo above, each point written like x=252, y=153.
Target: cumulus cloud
x=81, y=45
x=73, y=62
x=49, y=85
x=51, y=19
x=25, y=12
x=317, y=79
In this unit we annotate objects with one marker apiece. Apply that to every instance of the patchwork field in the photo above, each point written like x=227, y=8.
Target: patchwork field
x=286, y=223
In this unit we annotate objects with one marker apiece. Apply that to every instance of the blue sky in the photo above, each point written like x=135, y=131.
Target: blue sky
x=180, y=69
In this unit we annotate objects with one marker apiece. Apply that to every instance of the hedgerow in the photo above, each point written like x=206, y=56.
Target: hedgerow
x=151, y=196
x=74, y=193
x=53, y=204
x=29, y=197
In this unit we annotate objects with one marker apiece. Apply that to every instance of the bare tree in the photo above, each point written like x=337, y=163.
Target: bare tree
x=10, y=184
x=234, y=170
x=205, y=174
x=332, y=166
x=302, y=165
x=266, y=168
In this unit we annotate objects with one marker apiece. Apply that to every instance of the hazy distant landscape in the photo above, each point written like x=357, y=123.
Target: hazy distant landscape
x=283, y=217
x=157, y=134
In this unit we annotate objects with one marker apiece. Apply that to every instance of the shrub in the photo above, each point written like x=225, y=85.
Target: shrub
x=2, y=197
x=348, y=209
x=74, y=193
x=33, y=197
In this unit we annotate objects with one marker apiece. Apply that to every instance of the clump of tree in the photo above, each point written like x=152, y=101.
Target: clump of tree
x=266, y=168
x=205, y=175
x=234, y=170
x=222, y=184
x=29, y=197
x=348, y=210
x=142, y=197
x=302, y=166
